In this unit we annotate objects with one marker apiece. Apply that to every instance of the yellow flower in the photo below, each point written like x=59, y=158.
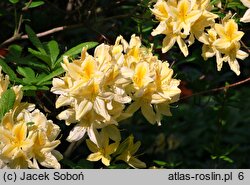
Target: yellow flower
x=102, y=149
x=141, y=77
x=16, y=143
x=160, y=10
x=27, y=137
x=228, y=34
x=207, y=19
x=126, y=152
x=181, y=16
x=184, y=16
x=4, y=81
x=98, y=88
x=228, y=44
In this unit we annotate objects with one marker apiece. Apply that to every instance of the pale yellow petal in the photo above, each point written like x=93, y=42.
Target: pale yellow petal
x=246, y=17
x=100, y=108
x=246, y=3
x=136, y=163
x=168, y=43
x=148, y=112
x=182, y=46
x=76, y=133
x=234, y=66
x=241, y=55
x=160, y=29
x=92, y=146
x=82, y=108
x=94, y=156
x=106, y=160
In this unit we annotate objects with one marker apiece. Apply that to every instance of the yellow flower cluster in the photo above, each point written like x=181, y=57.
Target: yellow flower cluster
x=183, y=21
x=97, y=88
x=223, y=41
x=27, y=137
x=110, y=86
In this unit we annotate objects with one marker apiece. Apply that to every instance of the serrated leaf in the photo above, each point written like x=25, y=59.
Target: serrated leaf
x=53, y=51
x=55, y=73
x=76, y=50
x=34, y=39
x=14, y=1
x=6, y=102
x=34, y=4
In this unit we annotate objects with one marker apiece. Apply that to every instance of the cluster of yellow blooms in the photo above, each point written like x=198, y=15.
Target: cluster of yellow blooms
x=110, y=86
x=27, y=138
x=101, y=90
x=183, y=21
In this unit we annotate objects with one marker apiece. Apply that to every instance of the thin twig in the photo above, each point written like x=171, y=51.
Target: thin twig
x=54, y=30
x=42, y=34
x=217, y=89
x=244, y=45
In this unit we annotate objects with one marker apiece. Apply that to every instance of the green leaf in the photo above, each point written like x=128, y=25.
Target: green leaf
x=234, y=5
x=42, y=56
x=55, y=73
x=160, y=163
x=53, y=51
x=14, y=1
x=9, y=71
x=34, y=4
x=15, y=50
x=34, y=39
x=227, y=159
x=84, y=164
x=29, y=88
x=76, y=50
x=26, y=72
x=6, y=102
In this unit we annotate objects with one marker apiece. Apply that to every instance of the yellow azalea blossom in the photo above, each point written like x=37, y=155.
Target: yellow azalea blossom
x=207, y=19
x=98, y=90
x=184, y=16
x=4, y=82
x=228, y=43
x=89, y=89
x=185, y=20
x=102, y=150
x=27, y=137
x=16, y=143
x=127, y=150
x=209, y=50
x=171, y=38
x=149, y=83
x=160, y=10
x=228, y=34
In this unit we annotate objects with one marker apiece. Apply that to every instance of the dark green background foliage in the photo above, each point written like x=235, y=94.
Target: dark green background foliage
x=208, y=130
